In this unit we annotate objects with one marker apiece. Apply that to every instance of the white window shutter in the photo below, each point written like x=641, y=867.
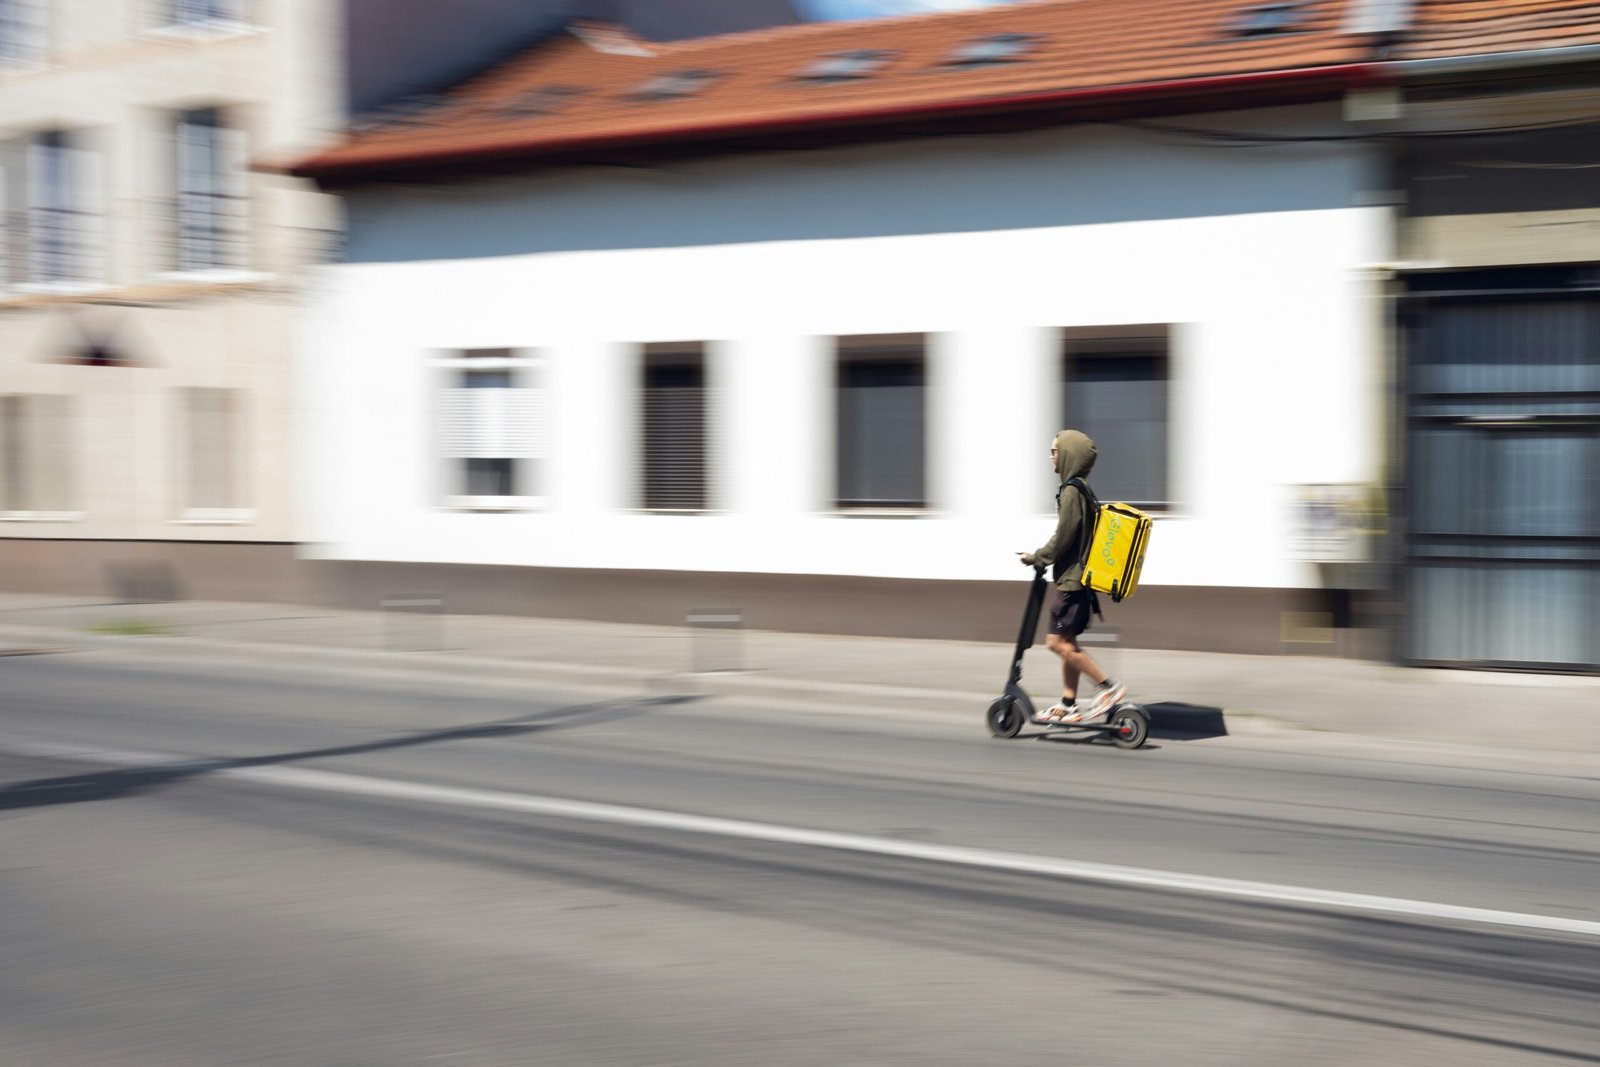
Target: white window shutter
x=528, y=425
x=455, y=431
x=474, y=423
x=492, y=423
x=496, y=424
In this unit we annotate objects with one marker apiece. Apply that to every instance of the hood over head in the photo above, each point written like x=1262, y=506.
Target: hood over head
x=1075, y=454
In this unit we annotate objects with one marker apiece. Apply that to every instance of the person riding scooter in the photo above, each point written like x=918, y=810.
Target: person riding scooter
x=1072, y=454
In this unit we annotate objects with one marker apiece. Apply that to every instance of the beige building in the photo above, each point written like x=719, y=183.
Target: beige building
x=150, y=285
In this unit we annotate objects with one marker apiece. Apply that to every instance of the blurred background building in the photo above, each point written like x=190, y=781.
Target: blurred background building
x=641, y=307
x=1498, y=339
x=149, y=286
x=787, y=320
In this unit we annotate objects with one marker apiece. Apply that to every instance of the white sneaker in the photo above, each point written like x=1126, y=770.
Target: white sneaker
x=1058, y=712
x=1107, y=695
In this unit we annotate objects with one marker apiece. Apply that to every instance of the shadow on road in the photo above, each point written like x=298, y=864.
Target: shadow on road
x=1170, y=720
x=133, y=781
x=1174, y=720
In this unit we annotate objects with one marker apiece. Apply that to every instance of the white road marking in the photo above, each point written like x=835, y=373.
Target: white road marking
x=624, y=815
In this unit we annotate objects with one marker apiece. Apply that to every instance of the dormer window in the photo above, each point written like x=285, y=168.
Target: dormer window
x=846, y=66
x=1266, y=20
x=675, y=85
x=545, y=100
x=993, y=50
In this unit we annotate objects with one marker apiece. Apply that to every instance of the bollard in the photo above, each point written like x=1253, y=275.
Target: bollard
x=413, y=623
x=715, y=640
x=143, y=582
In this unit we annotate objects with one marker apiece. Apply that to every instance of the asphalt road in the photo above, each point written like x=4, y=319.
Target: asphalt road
x=176, y=890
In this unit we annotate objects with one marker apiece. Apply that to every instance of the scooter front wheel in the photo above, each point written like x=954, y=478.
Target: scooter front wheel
x=1005, y=717
x=1129, y=726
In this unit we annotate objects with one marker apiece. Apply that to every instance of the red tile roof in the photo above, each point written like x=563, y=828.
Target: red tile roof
x=1087, y=52
x=1448, y=28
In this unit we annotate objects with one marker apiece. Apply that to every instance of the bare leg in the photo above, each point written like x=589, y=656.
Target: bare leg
x=1075, y=664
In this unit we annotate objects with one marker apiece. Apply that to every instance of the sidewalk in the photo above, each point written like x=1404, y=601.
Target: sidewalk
x=1555, y=714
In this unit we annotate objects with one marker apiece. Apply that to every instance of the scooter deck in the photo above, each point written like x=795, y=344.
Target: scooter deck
x=1103, y=724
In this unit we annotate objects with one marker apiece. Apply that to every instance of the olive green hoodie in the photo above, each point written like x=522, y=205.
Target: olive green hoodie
x=1075, y=456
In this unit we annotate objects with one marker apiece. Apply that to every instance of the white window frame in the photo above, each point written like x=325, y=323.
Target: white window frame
x=873, y=348
x=80, y=200
x=1114, y=342
x=669, y=354
x=226, y=189
x=447, y=369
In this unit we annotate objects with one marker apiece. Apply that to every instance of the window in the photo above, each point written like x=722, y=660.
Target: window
x=675, y=85
x=674, y=413
x=881, y=422
x=1116, y=391
x=495, y=429
x=846, y=66
x=212, y=454
x=201, y=13
x=22, y=32
x=51, y=190
x=1265, y=20
x=423, y=109
x=994, y=50
x=36, y=469
x=53, y=221
x=545, y=100
x=211, y=193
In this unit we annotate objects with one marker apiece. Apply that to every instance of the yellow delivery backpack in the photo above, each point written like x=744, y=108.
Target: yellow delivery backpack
x=1114, y=555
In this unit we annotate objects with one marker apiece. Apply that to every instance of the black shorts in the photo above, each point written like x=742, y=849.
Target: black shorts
x=1069, y=612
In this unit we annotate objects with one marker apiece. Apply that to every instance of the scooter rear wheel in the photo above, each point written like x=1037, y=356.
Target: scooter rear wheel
x=1129, y=727
x=1005, y=717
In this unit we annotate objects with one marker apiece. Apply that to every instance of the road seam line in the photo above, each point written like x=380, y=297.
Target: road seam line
x=625, y=815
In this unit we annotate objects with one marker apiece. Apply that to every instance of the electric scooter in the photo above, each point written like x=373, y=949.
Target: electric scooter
x=1128, y=725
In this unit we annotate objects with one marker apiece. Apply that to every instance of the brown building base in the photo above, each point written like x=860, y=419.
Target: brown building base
x=1206, y=619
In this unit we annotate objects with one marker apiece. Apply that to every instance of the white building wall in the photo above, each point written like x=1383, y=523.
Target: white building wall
x=1275, y=373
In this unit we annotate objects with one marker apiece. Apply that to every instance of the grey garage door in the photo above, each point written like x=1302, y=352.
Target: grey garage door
x=1503, y=479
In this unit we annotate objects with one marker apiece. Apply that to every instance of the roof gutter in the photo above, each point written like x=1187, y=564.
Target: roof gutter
x=1343, y=76
x=1407, y=69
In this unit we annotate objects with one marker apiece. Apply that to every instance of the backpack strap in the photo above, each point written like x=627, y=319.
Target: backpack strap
x=1091, y=514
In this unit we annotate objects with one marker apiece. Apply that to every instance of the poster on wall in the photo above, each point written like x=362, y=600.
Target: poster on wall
x=1332, y=523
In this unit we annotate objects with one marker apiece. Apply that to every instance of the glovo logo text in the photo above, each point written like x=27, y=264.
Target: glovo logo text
x=1109, y=543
